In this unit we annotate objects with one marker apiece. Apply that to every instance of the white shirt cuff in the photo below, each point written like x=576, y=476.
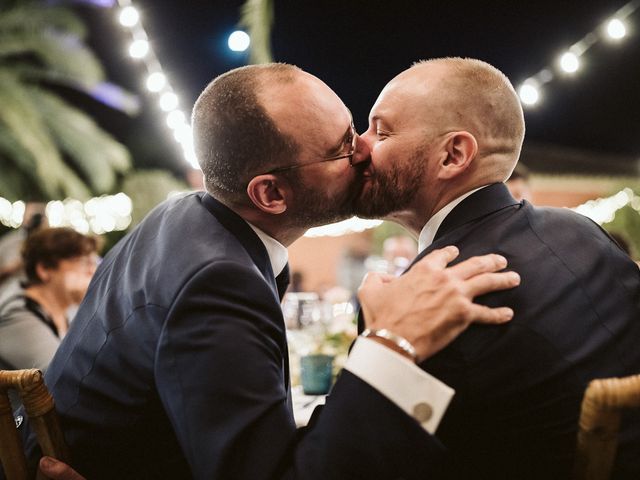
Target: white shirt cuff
x=420, y=395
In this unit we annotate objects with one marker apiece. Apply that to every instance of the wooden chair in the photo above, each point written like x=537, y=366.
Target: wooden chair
x=38, y=405
x=602, y=406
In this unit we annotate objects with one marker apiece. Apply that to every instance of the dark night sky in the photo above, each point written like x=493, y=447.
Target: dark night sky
x=356, y=46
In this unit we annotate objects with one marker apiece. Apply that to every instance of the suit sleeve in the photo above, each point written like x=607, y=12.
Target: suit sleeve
x=220, y=373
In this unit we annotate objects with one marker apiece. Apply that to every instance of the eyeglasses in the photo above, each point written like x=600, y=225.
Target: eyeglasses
x=350, y=139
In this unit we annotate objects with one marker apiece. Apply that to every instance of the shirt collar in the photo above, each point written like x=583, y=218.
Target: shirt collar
x=428, y=232
x=278, y=254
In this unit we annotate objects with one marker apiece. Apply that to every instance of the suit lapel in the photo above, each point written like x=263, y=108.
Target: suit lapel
x=476, y=206
x=245, y=235
x=256, y=250
x=480, y=204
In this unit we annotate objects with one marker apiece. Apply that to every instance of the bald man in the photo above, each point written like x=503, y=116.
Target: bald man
x=444, y=136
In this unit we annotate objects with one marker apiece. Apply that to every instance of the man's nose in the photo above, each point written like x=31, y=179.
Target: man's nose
x=362, y=153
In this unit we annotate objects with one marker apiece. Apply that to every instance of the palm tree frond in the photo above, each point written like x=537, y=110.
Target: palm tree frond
x=11, y=148
x=35, y=17
x=93, y=151
x=19, y=115
x=14, y=185
x=46, y=145
x=63, y=53
x=106, y=93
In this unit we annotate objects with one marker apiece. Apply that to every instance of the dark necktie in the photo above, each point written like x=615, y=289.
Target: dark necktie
x=282, y=281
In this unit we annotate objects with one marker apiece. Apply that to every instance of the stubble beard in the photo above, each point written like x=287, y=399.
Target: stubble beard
x=394, y=190
x=316, y=208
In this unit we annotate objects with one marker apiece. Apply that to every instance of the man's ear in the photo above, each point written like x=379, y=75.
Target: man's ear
x=461, y=149
x=269, y=193
x=42, y=272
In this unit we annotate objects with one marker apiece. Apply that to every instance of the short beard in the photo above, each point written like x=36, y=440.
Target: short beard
x=314, y=208
x=394, y=191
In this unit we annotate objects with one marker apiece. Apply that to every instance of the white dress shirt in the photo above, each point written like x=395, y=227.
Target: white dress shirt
x=420, y=395
x=278, y=253
x=428, y=232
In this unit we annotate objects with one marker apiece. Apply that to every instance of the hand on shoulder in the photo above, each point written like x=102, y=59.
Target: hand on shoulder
x=432, y=304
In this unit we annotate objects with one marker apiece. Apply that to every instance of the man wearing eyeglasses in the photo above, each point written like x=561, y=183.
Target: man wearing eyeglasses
x=176, y=365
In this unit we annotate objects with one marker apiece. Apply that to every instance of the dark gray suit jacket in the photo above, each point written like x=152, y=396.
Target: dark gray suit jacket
x=577, y=317
x=176, y=367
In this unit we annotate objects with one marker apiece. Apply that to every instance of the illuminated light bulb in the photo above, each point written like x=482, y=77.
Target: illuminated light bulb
x=183, y=134
x=569, y=62
x=96, y=227
x=121, y=204
x=156, y=81
x=17, y=213
x=55, y=213
x=122, y=223
x=175, y=119
x=616, y=29
x=5, y=210
x=129, y=16
x=529, y=94
x=139, y=49
x=190, y=157
x=90, y=207
x=239, y=41
x=168, y=101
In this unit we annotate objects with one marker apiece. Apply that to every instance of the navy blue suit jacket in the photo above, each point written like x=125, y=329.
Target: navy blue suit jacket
x=176, y=366
x=577, y=317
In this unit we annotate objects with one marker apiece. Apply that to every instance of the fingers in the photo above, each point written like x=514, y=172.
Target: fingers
x=489, y=316
x=438, y=259
x=489, y=282
x=386, y=277
x=57, y=470
x=371, y=280
x=369, y=289
x=477, y=265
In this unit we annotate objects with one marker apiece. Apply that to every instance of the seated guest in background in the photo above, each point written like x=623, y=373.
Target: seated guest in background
x=58, y=264
x=11, y=268
x=444, y=136
x=176, y=364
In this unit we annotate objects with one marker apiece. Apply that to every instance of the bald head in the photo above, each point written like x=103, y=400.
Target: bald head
x=469, y=95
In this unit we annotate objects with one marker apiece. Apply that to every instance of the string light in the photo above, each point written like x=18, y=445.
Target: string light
x=129, y=16
x=614, y=29
x=107, y=213
x=529, y=94
x=11, y=214
x=168, y=101
x=139, y=48
x=157, y=82
x=569, y=62
x=175, y=119
x=352, y=225
x=603, y=210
